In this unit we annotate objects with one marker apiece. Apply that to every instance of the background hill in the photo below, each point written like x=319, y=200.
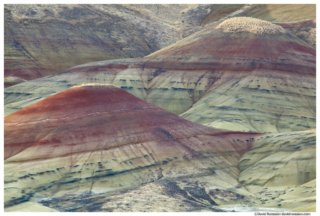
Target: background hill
x=160, y=108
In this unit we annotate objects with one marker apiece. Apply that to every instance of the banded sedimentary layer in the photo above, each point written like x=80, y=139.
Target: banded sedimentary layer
x=305, y=30
x=46, y=39
x=280, y=170
x=75, y=143
x=10, y=81
x=101, y=139
x=298, y=19
x=213, y=77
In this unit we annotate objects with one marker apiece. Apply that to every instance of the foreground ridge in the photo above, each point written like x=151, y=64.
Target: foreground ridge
x=101, y=139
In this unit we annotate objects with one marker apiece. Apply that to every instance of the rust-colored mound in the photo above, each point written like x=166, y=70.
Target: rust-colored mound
x=260, y=78
x=238, y=44
x=93, y=111
x=100, y=138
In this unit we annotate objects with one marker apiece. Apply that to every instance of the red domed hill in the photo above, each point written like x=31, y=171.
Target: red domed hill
x=92, y=112
x=238, y=44
x=100, y=138
x=259, y=77
x=242, y=74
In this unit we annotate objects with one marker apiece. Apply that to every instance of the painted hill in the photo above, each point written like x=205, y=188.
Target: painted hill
x=267, y=84
x=41, y=40
x=213, y=77
x=100, y=139
x=305, y=30
x=10, y=81
x=280, y=170
x=73, y=142
x=298, y=19
x=46, y=39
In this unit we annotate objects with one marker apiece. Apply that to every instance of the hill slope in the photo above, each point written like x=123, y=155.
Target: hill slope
x=46, y=39
x=305, y=30
x=101, y=139
x=213, y=77
x=280, y=170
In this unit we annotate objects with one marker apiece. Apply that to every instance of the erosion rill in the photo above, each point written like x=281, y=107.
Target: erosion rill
x=41, y=40
x=101, y=139
x=212, y=77
x=281, y=170
x=245, y=91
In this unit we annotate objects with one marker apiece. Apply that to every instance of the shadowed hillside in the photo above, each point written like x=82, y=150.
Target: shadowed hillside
x=212, y=77
x=305, y=30
x=178, y=108
x=46, y=39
